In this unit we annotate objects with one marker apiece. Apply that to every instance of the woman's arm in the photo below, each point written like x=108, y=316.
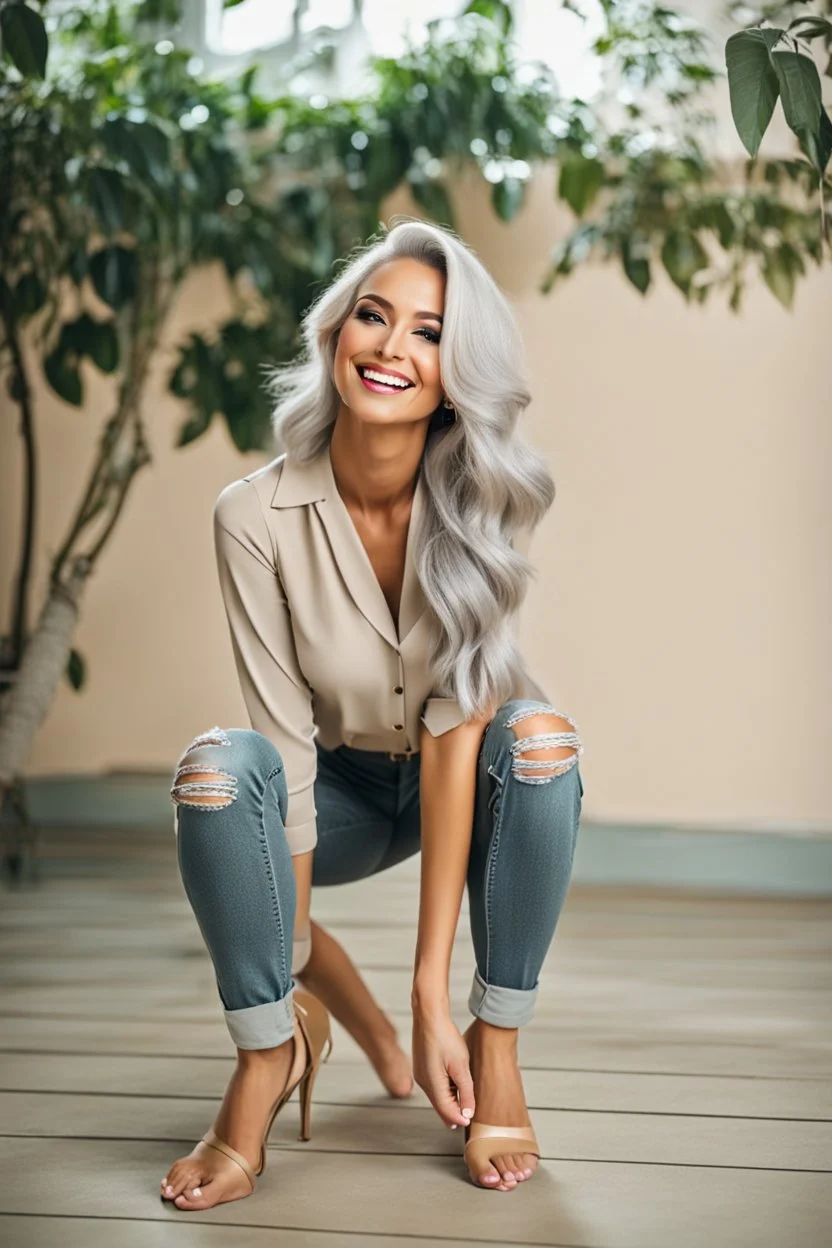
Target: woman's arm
x=448, y=776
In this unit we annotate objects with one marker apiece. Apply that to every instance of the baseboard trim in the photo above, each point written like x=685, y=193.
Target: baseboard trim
x=783, y=861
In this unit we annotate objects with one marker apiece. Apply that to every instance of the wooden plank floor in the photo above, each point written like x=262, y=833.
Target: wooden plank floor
x=678, y=1073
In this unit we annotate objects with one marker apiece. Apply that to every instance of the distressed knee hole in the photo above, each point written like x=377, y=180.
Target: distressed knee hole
x=551, y=737
x=205, y=786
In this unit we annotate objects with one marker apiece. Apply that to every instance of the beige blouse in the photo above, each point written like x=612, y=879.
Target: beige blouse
x=315, y=644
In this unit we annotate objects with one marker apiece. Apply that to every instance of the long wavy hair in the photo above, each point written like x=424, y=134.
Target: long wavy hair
x=485, y=482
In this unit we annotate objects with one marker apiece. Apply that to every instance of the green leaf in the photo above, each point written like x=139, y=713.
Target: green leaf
x=824, y=140
x=168, y=12
x=106, y=192
x=780, y=273
x=193, y=428
x=580, y=180
x=76, y=670
x=508, y=197
x=114, y=273
x=683, y=256
x=142, y=144
x=497, y=11
x=636, y=263
x=434, y=198
x=800, y=93
x=813, y=27
x=29, y=295
x=752, y=84
x=101, y=345
x=63, y=376
x=24, y=39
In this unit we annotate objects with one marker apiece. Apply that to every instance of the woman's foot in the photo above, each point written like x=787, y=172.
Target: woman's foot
x=500, y=1100
x=207, y=1177
x=333, y=978
x=389, y=1060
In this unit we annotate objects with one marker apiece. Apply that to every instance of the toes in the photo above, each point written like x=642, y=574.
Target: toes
x=185, y=1180
x=489, y=1177
x=196, y=1197
x=518, y=1166
x=188, y=1200
x=506, y=1172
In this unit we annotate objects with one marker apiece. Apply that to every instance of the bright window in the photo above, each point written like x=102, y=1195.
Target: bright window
x=542, y=30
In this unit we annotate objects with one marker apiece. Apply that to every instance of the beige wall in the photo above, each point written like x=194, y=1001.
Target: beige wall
x=682, y=608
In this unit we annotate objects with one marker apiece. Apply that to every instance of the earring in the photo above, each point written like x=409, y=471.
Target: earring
x=448, y=412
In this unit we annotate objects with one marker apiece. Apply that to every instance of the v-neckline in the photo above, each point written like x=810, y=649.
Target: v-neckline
x=370, y=596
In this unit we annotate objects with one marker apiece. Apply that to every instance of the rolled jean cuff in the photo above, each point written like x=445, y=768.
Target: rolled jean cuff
x=502, y=1007
x=263, y=1026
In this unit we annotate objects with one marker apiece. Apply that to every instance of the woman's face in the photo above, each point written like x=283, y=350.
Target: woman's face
x=394, y=326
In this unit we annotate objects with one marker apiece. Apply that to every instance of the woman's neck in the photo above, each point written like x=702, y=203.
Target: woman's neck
x=376, y=469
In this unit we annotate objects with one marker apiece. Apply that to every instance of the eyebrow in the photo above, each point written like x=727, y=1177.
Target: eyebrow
x=385, y=303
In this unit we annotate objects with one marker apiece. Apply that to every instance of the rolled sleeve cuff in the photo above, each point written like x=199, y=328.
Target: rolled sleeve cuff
x=301, y=821
x=440, y=715
x=302, y=836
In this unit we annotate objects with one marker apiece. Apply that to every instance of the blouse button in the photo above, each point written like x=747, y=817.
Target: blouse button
x=398, y=689
x=398, y=727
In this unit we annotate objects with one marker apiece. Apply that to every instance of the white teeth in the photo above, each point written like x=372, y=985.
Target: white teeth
x=385, y=379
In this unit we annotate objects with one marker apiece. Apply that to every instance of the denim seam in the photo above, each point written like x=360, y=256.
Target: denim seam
x=264, y=844
x=490, y=866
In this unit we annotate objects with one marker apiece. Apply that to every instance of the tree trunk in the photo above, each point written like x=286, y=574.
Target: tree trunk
x=44, y=661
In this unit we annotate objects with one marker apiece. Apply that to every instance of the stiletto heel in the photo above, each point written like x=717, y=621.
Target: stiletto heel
x=312, y=1032
x=307, y=1083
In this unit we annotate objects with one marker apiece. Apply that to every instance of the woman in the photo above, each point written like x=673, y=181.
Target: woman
x=372, y=585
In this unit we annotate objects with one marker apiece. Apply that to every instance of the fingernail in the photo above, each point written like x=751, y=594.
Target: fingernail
x=453, y=1126
x=197, y=1191
x=467, y=1113
x=168, y=1188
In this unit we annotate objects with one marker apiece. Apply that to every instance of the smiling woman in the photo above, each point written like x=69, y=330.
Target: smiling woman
x=415, y=301
x=386, y=341
x=371, y=583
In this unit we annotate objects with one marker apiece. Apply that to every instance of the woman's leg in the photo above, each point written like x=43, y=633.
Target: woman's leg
x=358, y=795
x=231, y=801
x=528, y=806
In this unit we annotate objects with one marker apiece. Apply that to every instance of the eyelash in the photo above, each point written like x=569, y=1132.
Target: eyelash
x=432, y=336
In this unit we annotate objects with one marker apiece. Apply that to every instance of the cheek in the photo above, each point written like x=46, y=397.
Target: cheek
x=430, y=372
x=346, y=348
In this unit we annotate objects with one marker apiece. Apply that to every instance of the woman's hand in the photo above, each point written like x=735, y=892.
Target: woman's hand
x=441, y=1066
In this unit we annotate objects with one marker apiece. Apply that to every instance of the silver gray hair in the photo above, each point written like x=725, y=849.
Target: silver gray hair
x=485, y=482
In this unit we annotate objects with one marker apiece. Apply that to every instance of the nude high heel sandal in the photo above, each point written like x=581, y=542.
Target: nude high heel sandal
x=312, y=1033
x=482, y=1142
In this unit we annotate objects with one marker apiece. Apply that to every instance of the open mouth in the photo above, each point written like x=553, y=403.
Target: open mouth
x=373, y=381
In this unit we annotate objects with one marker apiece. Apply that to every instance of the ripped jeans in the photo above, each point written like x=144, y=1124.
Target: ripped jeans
x=236, y=866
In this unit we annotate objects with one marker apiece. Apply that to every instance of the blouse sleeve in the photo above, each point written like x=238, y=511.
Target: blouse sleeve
x=276, y=693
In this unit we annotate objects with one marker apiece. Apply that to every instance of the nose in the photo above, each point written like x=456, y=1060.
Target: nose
x=389, y=347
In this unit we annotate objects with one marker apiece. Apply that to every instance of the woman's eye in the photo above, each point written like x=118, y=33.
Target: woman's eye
x=430, y=335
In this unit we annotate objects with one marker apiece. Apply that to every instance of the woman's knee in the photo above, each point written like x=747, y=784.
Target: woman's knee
x=212, y=770
x=545, y=741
